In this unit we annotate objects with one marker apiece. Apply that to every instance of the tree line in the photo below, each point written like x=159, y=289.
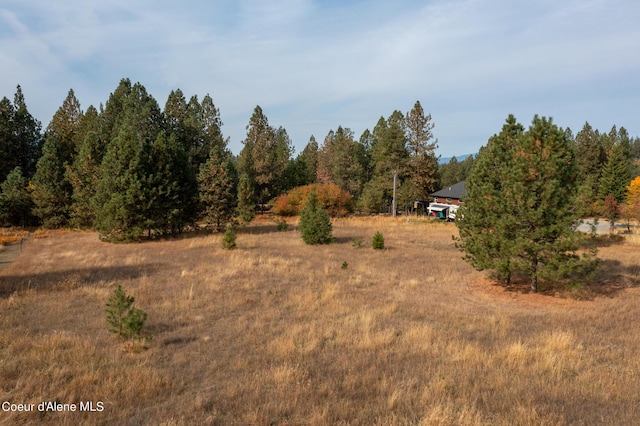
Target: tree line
x=130, y=168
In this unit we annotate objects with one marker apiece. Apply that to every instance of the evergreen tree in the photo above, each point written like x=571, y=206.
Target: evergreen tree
x=169, y=186
x=280, y=160
x=112, y=116
x=15, y=200
x=309, y=161
x=20, y=137
x=589, y=156
x=265, y=156
x=423, y=162
x=366, y=140
x=450, y=173
x=142, y=186
x=83, y=175
x=196, y=126
x=615, y=175
x=389, y=156
x=315, y=223
x=53, y=191
x=455, y=171
x=120, y=199
x=215, y=183
x=520, y=205
x=246, y=199
x=340, y=161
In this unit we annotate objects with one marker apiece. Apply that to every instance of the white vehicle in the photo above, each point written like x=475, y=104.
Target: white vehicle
x=443, y=211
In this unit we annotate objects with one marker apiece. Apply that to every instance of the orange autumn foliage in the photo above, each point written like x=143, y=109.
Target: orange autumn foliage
x=335, y=201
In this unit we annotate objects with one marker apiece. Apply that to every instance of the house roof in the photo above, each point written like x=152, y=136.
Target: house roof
x=454, y=191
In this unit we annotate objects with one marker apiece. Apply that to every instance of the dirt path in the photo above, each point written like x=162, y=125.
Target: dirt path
x=8, y=254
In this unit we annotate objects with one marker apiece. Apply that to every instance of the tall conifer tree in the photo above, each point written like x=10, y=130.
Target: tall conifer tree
x=520, y=205
x=215, y=186
x=423, y=162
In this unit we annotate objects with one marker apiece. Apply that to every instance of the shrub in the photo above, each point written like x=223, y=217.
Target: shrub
x=334, y=200
x=315, y=223
x=378, y=241
x=357, y=242
x=124, y=320
x=282, y=226
x=229, y=238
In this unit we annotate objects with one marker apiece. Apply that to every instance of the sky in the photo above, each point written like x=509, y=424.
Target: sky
x=314, y=65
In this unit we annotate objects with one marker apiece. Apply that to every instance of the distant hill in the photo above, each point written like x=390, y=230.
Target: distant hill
x=445, y=160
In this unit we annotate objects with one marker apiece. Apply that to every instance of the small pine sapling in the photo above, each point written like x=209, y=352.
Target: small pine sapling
x=124, y=321
x=378, y=241
x=357, y=242
x=229, y=238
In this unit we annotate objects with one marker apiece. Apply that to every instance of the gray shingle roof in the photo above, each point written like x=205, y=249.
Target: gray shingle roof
x=454, y=191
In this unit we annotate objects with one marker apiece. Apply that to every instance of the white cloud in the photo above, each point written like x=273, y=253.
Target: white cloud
x=314, y=65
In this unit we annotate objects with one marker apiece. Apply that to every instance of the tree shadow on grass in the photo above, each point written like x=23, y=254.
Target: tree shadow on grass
x=613, y=277
x=610, y=279
x=600, y=241
x=263, y=228
x=71, y=279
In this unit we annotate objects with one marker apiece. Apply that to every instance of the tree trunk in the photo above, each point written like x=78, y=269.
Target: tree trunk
x=534, y=276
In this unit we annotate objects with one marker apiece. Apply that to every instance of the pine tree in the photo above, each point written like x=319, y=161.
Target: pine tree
x=246, y=199
x=15, y=200
x=229, y=238
x=340, y=161
x=20, y=137
x=309, y=158
x=423, y=162
x=136, y=178
x=315, y=223
x=196, y=126
x=615, y=175
x=389, y=156
x=83, y=175
x=169, y=186
x=53, y=191
x=215, y=183
x=120, y=199
x=265, y=156
x=519, y=207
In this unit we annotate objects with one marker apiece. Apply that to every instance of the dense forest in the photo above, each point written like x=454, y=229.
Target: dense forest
x=131, y=169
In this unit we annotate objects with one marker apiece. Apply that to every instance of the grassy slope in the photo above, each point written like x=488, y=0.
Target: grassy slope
x=277, y=332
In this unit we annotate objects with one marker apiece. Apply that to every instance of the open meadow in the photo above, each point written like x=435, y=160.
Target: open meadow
x=277, y=332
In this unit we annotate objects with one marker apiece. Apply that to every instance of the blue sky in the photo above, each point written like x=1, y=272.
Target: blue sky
x=315, y=65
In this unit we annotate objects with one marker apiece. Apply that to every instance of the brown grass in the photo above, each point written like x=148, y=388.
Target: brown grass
x=276, y=332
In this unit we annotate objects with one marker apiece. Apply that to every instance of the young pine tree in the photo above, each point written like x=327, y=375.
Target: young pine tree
x=124, y=320
x=315, y=223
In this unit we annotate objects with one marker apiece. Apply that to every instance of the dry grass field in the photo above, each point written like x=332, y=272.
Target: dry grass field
x=279, y=333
